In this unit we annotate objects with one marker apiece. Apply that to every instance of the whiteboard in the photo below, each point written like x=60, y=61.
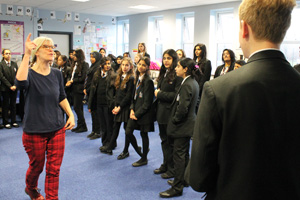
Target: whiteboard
x=61, y=41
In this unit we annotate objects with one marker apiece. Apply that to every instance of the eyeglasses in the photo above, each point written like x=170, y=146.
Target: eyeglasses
x=48, y=47
x=7, y=54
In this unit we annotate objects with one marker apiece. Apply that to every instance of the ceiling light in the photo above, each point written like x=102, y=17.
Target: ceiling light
x=142, y=7
x=81, y=0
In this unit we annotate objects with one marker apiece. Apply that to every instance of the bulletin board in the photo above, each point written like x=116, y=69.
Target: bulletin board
x=12, y=36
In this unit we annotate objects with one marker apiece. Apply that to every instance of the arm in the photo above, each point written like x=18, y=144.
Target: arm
x=148, y=92
x=169, y=96
x=206, y=74
x=129, y=94
x=81, y=79
x=202, y=171
x=64, y=104
x=3, y=78
x=185, y=97
x=22, y=73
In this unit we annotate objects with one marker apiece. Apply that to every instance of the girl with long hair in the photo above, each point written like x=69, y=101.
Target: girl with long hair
x=124, y=85
x=141, y=116
x=167, y=86
x=79, y=70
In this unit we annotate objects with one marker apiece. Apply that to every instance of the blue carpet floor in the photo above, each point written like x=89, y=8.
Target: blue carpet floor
x=85, y=172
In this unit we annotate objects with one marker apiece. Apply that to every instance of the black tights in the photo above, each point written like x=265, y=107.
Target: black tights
x=114, y=137
x=145, y=140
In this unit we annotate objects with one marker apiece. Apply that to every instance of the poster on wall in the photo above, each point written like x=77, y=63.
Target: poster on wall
x=28, y=11
x=20, y=11
x=9, y=10
x=12, y=36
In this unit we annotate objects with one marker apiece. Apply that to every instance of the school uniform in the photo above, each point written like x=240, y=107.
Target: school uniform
x=165, y=96
x=181, y=126
x=141, y=105
x=8, y=71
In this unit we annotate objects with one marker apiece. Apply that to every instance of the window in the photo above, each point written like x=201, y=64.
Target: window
x=122, y=37
x=224, y=34
x=185, y=24
x=291, y=43
x=155, y=37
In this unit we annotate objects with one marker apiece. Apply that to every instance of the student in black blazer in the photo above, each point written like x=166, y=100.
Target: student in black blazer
x=95, y=58
x=79, y=70
x=124, y=85
x=181, y=124
x=228, y=57
x=203, y=73
x=141, y=116
x=98, y=98
x=8, y=70
x=246, y=137
x=168, y=84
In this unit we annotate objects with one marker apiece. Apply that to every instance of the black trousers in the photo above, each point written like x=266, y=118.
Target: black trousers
x=106, y=123
x=113, y=140
x=78, y=107
x=167, y=149
x=9, y=103
x=95, y=121
x=180, y=158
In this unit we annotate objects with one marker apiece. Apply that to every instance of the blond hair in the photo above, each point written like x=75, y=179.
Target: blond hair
x=268, y=19
x=129, y=74
x=39, y=42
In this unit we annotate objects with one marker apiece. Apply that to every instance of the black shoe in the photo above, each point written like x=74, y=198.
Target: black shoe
x=75, y=129
x=91, y=134
x=95, y=136
x=140, y=162
x=166, y=175
x=170, y=182
x=81, y=130
x=107, y=151
x=102, y=148
x=8, y=126
x=15, y=125
x=170, y=193
x=159, y=170
x=123, y=156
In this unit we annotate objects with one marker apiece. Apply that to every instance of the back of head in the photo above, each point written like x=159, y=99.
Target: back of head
x=268, y=19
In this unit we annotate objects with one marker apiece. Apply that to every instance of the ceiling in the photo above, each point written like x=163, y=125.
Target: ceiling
x=110, y=7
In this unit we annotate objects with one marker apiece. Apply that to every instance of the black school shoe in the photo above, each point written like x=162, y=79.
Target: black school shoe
x=140, y=162
x=123, y=156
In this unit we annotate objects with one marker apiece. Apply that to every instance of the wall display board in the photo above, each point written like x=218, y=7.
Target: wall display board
x=12, y=36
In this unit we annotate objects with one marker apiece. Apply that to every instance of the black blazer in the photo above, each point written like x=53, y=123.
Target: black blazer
x=181, y=123
x=123, y=96
x=220, y=68
x=7, y=75
x=89, y=76
x=297, y=67
x=79, y=78
x=165, y=97
x=67, y=73
x=246, y=137
x=205, y=69
x=143, y=102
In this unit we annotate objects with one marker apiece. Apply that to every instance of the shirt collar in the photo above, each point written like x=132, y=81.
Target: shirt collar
x=262, y=50
x=185, y=79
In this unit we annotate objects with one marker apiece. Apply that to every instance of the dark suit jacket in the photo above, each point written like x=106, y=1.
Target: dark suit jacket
x=246, y=137
x=143, y=102
x=7, y=75
x=297, y=67
x=79, y=78
x=205, y=69
x=165, y=97
x=181, y=123
x=220, y=68
x=67, y=73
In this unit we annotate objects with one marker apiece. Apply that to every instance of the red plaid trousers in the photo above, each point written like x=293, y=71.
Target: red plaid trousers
x=37, y=147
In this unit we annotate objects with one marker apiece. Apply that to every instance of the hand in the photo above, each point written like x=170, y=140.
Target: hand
x=84, y=91
x=116, y=110
x=70, y=123
x=156, y=92
x=29, y=45
x=90, y=110
x=132, y=115
x=13, y=88
x=69, y=83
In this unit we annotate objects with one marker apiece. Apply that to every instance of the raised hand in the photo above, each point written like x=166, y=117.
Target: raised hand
x=29, y=45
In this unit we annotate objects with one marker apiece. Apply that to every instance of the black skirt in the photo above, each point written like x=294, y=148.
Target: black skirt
x=123, y=115
x=133, y=125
